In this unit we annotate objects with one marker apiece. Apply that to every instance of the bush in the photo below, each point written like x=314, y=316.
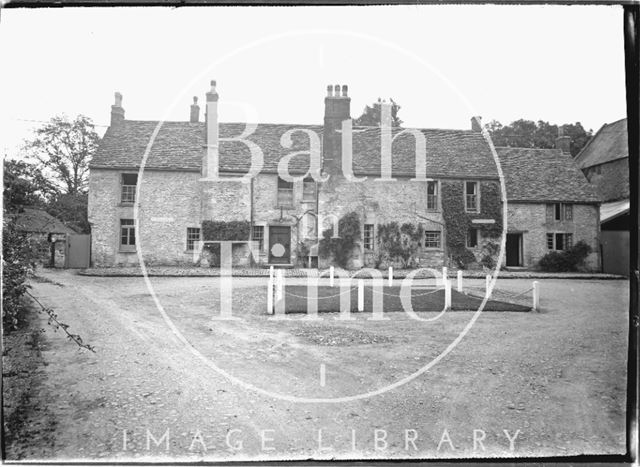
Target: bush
x=17, y=263
x=220, y=230
x=461, y=256
x=341, y=248
x=489, y=252
x=399, y=243
x=567, y=260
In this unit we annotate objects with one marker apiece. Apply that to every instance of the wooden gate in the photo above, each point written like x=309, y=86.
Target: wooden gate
x=77, y=251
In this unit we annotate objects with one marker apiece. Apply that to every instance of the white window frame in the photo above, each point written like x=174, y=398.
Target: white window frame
x=373, y=237
x=439, y=232
x=476, y=194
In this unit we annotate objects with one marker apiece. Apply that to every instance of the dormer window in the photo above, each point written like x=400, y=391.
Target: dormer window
x=128, y=193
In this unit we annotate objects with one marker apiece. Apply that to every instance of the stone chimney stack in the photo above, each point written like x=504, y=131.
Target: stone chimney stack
x=117, y=112
x=476, y=123
x=195, y=111
x=337, y=108
x=563, y=142
x=211, y=119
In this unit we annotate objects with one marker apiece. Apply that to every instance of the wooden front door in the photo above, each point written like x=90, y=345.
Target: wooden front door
x=279, y=244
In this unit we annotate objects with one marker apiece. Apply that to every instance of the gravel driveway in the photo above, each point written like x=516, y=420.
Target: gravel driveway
x=518, y=384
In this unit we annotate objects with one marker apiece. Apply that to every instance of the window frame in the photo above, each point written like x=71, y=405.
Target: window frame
x=439, y=237
x=193, y=240
x=130, y=189
x=476, y=195
x=130, y=228
x=432, y=199
x=309, y=181
x=552, y=240
x=369, y=238
x=260, y=240
x=287, y=189
x=562, y=212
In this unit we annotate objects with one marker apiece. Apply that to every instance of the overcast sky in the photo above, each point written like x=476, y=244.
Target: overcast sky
x=442, y=64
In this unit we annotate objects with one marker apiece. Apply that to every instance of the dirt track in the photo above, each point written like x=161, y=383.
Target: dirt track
x=557, y=376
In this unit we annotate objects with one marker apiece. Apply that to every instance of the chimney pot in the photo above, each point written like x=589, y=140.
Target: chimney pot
x=212, y=95
x=476, y=123
x=336, y=90
x=345, y=90
x=329, y=91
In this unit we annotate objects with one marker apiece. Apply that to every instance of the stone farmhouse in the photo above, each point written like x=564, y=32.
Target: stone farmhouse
x=443, y=209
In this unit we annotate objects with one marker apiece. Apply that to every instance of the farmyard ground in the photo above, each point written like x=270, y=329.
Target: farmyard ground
x=557, y=376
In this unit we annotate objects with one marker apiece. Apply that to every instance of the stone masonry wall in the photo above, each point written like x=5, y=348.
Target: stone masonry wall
x=380, y=202
x=613, y=180
x=531, y=220
x=170, y=202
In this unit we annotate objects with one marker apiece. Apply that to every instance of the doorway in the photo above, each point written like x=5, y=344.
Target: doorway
x=514, y=249
x=279, y=244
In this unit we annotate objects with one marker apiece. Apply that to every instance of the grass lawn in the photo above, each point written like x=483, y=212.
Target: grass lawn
x=422, y=299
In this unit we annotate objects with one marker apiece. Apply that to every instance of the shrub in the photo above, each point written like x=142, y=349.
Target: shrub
x=17, y=263
x=461, y=256
x=489, y=251
x=567, y=260
x=399, y=242
x=220, y=230
x=341, y=248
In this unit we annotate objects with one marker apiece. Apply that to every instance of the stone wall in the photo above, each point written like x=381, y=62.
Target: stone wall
x=170, y=202
x=532, y=221
x=380, y=202
x=611, y=179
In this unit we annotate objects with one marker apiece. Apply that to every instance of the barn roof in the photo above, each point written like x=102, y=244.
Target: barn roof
x=182, y=146
x=608, y=144
x=38, y=221
x=544, y=175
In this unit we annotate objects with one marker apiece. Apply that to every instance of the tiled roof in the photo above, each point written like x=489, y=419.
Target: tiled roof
x=608, y=144
x=544, y=175
x=449, y=153
x=39, y=221
x=181, y=146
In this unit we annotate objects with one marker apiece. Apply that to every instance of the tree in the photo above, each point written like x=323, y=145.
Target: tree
x=529, y=134
x=72, y=209
x=371, y=115
x=24, y=185
x=64, y=148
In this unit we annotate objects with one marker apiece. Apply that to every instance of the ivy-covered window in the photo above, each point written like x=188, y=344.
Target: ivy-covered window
x=471, y=197
x=193, y=236
x=432, y=196
x=432, y=239
x=472, y=238
x=559, y=241
x=308, y=190
x=368, y=236
x=128, y=190
x=258, y=236
x=127, y=234
x=285, y=193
